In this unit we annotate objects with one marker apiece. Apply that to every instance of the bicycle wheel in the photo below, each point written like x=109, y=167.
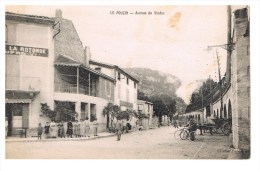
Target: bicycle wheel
x=227, y=128
x=184, y=135
x=177, y=134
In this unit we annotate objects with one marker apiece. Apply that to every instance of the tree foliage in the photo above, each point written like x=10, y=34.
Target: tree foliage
x=65, y=111
x=111, y=111
x=45, y=110
x=201, y=94
x=163, y=104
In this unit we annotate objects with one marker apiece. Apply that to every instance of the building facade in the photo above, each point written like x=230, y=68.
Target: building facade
x=29, y=51
x=146, y=108
x=125, y=90
x=46, y=63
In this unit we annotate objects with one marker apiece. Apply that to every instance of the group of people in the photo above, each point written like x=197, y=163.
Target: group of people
x=75, y=129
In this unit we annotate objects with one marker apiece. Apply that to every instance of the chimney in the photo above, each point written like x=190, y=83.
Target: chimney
x=58, y=13
x=87, y=55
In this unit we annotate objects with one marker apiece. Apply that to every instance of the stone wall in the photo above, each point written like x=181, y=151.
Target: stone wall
x=67, y=41
x=241, y=82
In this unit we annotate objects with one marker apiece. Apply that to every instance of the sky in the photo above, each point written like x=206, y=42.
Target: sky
x=173, y=43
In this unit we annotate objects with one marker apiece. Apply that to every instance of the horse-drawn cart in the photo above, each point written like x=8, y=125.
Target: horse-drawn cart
x=225, y=125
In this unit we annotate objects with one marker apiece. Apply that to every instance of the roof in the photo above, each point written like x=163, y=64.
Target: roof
x=113, y=67
x=29, y=18
x=64, y=60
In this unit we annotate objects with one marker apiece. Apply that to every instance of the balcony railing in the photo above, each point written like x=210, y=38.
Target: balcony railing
x=72, y=88
x=22, y=83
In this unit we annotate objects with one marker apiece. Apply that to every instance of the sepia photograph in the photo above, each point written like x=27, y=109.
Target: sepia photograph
x=127, y=82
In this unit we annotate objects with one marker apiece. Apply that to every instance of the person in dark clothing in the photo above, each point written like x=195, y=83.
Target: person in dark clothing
x=69, y=131
x=47, y=130
x=61, y=130
x=39, y=131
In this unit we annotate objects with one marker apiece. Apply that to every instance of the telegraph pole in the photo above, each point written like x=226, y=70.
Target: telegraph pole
x=229, y=44
x=220, y=84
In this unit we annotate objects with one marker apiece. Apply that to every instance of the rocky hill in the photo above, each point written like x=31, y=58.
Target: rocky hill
x=154, y=82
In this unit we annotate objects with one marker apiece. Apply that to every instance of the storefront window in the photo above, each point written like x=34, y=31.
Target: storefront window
x=17, y=109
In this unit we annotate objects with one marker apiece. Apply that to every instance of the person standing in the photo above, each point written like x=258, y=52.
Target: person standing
x=86, y=127
x=95, y=125
x=61, y=130
x=53, y=130
x=118, y=128
x=82, y=128
x=69, y=131
x=76, y=129
x=6, y=127
x=47, y=130
x=39, y=131
x=124, y=126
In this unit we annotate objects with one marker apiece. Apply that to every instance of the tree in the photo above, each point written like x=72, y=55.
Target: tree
x=45, y=109
x=111, y=111
x=65, y=111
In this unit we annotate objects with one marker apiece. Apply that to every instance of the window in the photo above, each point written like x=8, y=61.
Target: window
x=98, y=69
x=127, y=81
x=118, y=76
x=6, y=32
x=17, y=110
x=148, y=108
x=119, y=91
x=108, y=88
x=134, y=84
x=127, y=95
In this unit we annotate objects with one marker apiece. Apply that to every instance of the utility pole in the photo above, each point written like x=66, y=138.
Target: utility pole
x=220, y=84
x=210, y=92
x=229, y=44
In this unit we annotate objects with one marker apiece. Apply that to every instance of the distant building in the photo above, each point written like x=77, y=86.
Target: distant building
x=146, y=108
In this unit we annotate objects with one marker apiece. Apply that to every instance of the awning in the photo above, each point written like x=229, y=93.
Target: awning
x=66, y=64
x=18, y=100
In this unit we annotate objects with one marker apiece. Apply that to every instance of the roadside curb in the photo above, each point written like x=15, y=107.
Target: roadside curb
x=58, y=139
x=66, y=139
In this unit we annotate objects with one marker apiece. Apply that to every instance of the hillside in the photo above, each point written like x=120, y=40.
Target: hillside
x=154, y=82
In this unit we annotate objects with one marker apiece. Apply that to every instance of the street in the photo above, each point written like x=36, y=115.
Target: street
x=156, y=143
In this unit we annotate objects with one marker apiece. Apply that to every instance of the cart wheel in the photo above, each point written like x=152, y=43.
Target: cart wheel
x=184, y=135
x=227, y=128
x=177, y=135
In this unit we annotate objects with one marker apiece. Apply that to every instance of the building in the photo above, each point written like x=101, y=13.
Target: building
x=146, y=108
x=125, y=90
x=233, y=101
x=46, y=63
x=86, y=90
x=27, y=82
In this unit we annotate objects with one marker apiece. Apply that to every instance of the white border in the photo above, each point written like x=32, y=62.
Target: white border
x=212, y=165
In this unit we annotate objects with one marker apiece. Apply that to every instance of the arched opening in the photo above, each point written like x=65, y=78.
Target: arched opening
x=229, y=110
x=214, y=113
x=217, y=114
x=199, y=118
x=225, y=112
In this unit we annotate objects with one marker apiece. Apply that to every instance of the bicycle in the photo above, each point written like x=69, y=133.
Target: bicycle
x=177, y=133
x=184, y=134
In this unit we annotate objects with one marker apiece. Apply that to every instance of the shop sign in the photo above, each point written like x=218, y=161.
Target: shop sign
x=24, y=50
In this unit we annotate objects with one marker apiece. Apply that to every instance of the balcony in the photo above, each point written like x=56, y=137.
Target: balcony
x=22, y=83
x=72, y=88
